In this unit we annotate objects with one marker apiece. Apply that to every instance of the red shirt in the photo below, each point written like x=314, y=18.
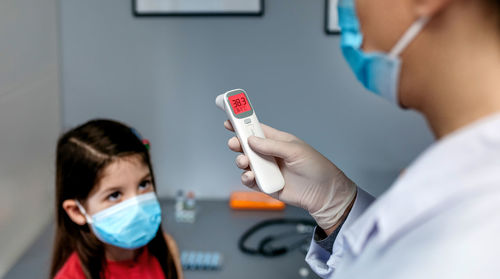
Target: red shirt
x=146, y=266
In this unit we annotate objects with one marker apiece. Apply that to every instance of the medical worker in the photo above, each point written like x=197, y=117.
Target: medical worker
x=441, y=217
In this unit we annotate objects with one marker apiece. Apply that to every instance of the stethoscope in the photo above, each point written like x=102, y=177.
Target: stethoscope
x=267, y=246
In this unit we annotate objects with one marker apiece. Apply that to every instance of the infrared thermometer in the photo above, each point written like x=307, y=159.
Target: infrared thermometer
x=245, y=123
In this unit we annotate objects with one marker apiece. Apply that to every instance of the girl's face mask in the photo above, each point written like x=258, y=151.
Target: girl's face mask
x=130, y=224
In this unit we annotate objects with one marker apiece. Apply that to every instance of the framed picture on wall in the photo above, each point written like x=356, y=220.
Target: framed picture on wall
x=198, y=7
x=331, y=17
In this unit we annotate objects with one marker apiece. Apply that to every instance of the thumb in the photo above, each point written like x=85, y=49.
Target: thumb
x=276, y=148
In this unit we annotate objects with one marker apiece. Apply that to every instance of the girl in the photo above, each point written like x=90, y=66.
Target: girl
x=107, y=213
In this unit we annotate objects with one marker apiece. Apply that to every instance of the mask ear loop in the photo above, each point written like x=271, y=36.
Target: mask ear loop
x=82, y=210
x=408, y=36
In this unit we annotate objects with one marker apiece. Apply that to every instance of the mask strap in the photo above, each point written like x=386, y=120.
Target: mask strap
x=82, y=210
x=408, y=36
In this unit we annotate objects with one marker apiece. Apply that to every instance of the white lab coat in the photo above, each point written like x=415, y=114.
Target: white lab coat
x=440, y=219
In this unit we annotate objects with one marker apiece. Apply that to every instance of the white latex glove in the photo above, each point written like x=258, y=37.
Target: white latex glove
x=311, y=180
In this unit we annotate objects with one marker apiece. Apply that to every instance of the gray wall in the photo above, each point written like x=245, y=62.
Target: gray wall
x=29, y=121
x=162, y=75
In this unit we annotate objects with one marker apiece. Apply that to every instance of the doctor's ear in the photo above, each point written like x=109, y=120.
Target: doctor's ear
x=429, y=8
x=73, y=212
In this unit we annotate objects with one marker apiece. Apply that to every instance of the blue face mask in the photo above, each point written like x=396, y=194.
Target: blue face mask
x=130, y=224
x=378, y=72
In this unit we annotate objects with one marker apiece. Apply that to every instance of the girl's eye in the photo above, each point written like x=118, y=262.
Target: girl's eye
x=145, y=184
x=114, y=196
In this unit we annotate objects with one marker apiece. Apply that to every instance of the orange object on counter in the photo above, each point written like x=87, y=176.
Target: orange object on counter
x=254, y=201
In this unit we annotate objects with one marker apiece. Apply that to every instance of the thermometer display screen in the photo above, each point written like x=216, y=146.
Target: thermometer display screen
x=239, y=103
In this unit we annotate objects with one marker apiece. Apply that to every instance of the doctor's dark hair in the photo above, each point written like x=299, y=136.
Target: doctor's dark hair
x=81, y=157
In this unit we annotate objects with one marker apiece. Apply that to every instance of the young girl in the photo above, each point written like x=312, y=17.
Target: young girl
x=107, y=213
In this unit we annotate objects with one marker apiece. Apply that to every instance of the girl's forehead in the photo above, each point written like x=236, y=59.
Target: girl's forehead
x=122, y=171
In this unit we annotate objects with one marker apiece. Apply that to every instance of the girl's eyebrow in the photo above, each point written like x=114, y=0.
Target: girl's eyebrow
x=111, y=190
x=145, y=176
x=117, y=188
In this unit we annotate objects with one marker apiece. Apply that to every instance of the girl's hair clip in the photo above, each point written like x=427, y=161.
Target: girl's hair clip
x=144, y=141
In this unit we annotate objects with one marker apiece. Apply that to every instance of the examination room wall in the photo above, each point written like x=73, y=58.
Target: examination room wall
x=162, y=74
x=30, y=121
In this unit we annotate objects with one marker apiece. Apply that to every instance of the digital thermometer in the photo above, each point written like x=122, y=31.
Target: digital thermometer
x=245, y=123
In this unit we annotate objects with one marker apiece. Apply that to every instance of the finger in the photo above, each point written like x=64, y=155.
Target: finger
x=248, y=179
x=234, y=144
x=228, y=125
x=269, y=131
x=276, y=134
x=287, y=151
x=242, y=162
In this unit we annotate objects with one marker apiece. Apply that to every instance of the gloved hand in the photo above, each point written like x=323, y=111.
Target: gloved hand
x=311, y=180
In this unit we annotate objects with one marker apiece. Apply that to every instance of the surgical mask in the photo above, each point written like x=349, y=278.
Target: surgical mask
x=130, y=224
x=378, y=72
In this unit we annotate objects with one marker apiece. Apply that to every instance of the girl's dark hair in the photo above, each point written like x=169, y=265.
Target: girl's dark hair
x=82, y=155
x=497, y=2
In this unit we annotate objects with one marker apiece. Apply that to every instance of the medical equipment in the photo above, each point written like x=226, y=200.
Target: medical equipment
x=244, y=200
x=269, y=245
x=129, y=224
x=379, y=72
x=185, y=207
x=245, y=123
x=198, y=260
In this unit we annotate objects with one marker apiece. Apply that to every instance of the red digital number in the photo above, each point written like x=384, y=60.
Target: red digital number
x=239, y=103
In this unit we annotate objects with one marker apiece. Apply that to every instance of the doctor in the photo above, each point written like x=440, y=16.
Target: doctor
x=441, y=218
